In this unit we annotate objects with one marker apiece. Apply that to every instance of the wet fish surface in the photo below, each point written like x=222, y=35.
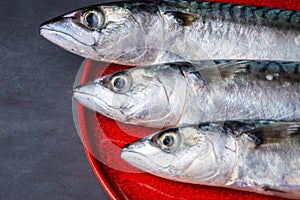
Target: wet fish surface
x=184, y=93
x=154, y=32
x=251, y=157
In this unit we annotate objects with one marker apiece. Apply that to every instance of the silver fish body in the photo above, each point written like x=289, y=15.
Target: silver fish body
x=234, y=155
x=144, y=33
x=178, y=93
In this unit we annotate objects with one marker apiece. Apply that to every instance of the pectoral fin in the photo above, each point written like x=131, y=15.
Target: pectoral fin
x=183, y=19
x=274, y=133
x=224, y=70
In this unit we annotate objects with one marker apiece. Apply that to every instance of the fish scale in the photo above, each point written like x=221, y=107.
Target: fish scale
x=268, y=66
x=147, y=33
x=248, y=155
x=248, y=28
x=283, y=70
x=183, y=93
x=240, y=13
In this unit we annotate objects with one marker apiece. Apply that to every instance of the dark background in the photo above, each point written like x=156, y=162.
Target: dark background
x=41, y=155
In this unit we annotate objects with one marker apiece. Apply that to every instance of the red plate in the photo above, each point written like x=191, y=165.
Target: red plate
x=103, y=139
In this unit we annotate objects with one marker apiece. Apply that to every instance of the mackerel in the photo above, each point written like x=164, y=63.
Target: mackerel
x=154, y=32
x=167, y=95
x=246, y=156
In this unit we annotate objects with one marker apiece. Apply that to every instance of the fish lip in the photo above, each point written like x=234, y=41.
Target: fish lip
x=129, y=145
x=77, y=95
x=46, y=28
x=127, y=152
x=105, y=108
x=49, y=27
x=78, y=92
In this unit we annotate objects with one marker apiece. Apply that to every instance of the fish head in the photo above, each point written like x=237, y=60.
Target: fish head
x=187, y=154
x=143, y=96
x=111, y=32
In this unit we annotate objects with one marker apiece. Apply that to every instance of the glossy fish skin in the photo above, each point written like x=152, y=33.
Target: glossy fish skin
x=153, y=32
x=138, y=96
x=231, y=155
x=179, y=93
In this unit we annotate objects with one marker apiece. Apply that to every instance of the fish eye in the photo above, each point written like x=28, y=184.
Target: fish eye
x=169, y=141
x=92, y=19
x=121, y=83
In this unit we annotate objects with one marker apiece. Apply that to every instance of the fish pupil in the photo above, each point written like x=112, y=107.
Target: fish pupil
x=119, y=83
x=168, y=141
x=92, y=20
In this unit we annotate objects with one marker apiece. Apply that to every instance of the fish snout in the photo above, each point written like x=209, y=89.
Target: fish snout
x=85, y=93
x=58, y=20
x=87, y=88
x=142, y=154
x=133, y=153
x=46, y=25
x=133, y=145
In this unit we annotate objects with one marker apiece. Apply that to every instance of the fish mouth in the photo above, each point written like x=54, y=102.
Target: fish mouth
x=130, y=153
x=49, y=33
x=137, y=160
x=69, y=43
x=139, y=152
x=65, y=40
x=87, y=95
x=68, y=35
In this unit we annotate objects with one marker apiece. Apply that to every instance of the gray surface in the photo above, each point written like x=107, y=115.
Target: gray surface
x=41, y=155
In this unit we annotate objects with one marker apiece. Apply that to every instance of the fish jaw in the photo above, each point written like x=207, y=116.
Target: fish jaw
x=152, y=96
x=144, y=154
x=85, y=94
x=132, y=153
x=198, y=155
x=108, y=42
x=99, y=99
x=64, y=32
